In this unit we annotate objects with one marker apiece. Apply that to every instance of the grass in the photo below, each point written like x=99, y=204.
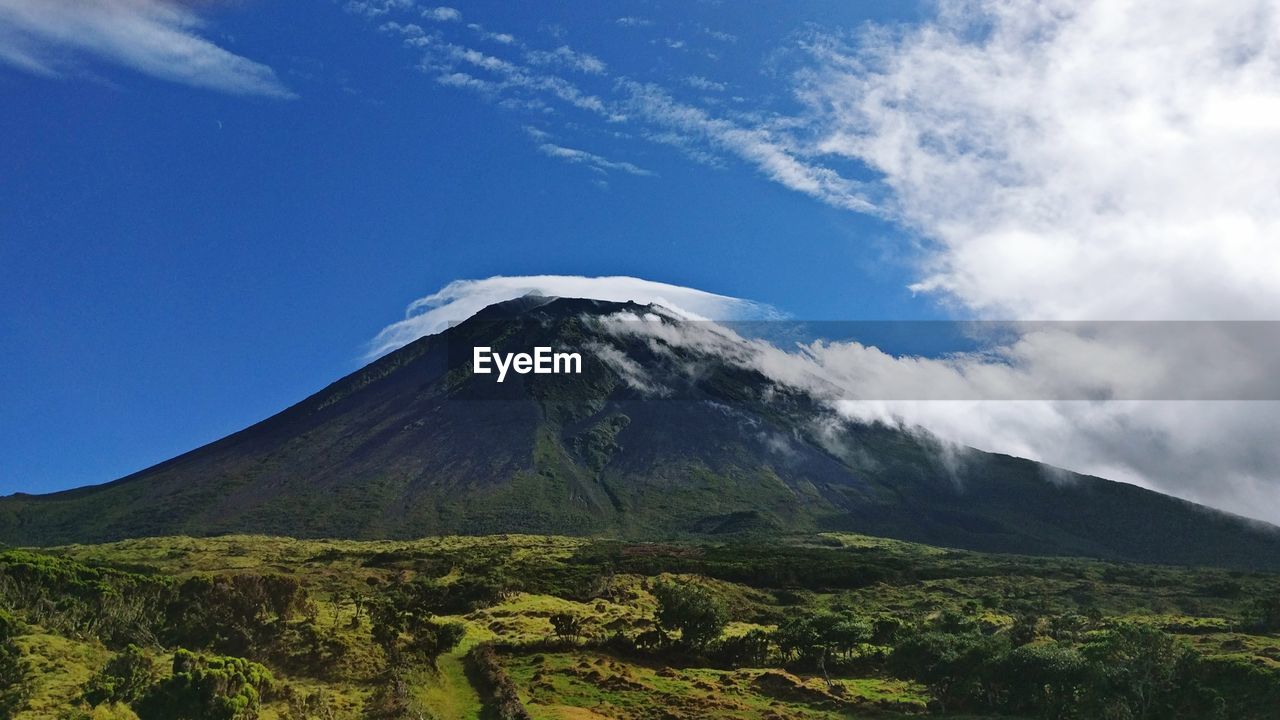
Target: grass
x=60, y=666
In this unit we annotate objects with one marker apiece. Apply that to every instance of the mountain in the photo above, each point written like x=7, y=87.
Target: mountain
x=653, y=439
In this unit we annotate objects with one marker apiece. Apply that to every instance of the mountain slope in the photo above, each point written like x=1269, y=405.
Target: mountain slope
x=652, y=439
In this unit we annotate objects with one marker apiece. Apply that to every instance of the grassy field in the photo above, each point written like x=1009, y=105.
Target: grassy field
x=327, y=660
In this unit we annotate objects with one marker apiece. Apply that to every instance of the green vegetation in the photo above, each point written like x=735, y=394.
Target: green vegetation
x=14, y=680
x=517, y=626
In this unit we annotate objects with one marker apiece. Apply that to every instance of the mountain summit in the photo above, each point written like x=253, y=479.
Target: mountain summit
x=652, y=439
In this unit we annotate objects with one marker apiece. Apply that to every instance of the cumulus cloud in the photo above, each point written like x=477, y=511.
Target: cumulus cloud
x=154, y=37
x=1074, y=160
x=461, y=299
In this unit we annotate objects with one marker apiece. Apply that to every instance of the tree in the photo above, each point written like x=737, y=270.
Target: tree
x=691, y=609
x=818, y=638
x=126, y=677
x=1264, y=614
x=403, y=632
x=431, y=639
x=751, y=649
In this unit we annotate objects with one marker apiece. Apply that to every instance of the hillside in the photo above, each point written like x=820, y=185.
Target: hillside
x=557, y=628
x=415, y=444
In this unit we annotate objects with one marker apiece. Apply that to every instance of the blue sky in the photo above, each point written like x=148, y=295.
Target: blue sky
x=210, y=210
x=179, y=261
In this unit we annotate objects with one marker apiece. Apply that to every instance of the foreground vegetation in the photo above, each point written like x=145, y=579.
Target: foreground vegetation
x=832, y=626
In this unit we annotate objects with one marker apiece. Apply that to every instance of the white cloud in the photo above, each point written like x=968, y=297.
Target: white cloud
x=720, y=35
x=1075, y=159
x=444, y=60
x=566, y=56
x=498, y=37
x=765, y=150
x=461, y=299
x=154, y=37
x=408, y=30
x=591, y=160
x=442, y=14
x=377, y=8
x=633, y=21
x=761, y=140
x=698, y=82
x=1098, y=159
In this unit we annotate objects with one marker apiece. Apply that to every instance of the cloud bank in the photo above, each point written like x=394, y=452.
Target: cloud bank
x=153, y=37
x=1097, y=159
x=1167, y=423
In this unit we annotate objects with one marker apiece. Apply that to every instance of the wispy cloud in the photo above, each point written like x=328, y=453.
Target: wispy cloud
x=498, y=37
x=524, y=82
x=697, y=82
x=633, y=21
x=153, y=37
x=444, y=60
x=376, y=8
x=754, y=144
x=591, y=160
x=565, y=56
